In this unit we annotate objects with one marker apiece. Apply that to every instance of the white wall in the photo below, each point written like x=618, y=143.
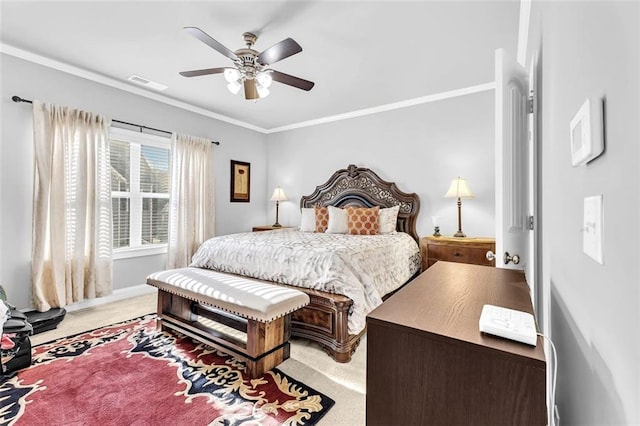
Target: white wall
x=421, y=148
x=32, y=81
x=592, y=49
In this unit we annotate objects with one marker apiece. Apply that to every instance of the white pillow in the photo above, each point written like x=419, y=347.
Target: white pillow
x=387, y=219
x=338, y=221
x=308, y=220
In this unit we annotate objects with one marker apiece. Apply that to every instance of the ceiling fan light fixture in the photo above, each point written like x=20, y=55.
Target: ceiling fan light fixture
x=232, y=75
x=263, y=92
x=234, y=86
x=264, y=79
x=249, y=70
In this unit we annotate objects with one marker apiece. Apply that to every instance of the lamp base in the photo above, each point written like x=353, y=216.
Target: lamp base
x=276, y=225
x=436, y=231
x=460, y=234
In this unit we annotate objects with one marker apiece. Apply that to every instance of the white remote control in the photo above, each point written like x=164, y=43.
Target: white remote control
x=508, y=323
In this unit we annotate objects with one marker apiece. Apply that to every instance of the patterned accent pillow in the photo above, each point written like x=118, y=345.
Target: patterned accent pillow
x=338, y=221
x=322, y=218
x=362, y=221
x=308, y=220
x=387, y=219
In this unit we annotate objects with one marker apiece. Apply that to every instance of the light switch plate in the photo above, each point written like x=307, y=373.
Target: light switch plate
x=592, y=227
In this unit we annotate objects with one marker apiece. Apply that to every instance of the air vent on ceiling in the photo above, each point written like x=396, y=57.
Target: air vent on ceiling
x=147, y=83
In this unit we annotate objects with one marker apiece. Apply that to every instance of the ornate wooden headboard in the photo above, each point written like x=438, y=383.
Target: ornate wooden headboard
x=357, y=186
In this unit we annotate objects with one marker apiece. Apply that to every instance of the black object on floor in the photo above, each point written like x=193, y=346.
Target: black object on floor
x=15, y=353
x=20, y=358
x=45, y=321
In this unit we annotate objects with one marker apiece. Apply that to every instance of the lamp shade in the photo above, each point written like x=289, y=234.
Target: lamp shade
x=231, y=75
x=234, y=87
x=263, y=92
x=278, y=195
x=264, y=78
x=459, y=189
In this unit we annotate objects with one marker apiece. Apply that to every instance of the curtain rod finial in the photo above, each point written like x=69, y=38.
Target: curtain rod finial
x=18, y=99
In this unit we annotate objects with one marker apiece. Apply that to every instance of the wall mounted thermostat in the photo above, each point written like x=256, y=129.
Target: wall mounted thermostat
x=587, y=132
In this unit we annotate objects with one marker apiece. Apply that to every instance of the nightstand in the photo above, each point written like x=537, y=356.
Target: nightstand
x=268, y=228
x=455, y=249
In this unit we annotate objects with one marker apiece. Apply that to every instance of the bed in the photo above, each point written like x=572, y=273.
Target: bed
x=335, y=316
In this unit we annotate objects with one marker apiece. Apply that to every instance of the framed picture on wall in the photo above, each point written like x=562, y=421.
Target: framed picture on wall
x=240, y=181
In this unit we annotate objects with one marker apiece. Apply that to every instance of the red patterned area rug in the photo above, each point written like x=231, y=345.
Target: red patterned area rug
x=131, y=374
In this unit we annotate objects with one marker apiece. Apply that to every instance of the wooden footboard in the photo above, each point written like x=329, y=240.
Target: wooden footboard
x=324, y=321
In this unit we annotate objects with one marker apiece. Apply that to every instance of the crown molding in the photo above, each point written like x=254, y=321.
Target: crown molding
x=388, y=107
x=108, y=81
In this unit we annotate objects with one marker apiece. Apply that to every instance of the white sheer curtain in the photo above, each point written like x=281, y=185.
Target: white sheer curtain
x=71, y=247
x=192, y=212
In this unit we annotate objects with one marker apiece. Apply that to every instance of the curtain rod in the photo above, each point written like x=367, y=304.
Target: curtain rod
x=18, y=99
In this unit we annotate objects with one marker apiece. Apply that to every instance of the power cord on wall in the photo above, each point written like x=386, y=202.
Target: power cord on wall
x=552, y=396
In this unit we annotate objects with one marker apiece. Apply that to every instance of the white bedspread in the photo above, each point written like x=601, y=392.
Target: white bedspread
x=361, y=267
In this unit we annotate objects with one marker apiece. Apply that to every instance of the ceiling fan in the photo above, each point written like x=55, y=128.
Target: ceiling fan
x=250, y=68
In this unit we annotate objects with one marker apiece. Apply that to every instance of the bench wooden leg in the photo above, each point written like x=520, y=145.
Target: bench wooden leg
x=175, y=305
x=267, y=344
x=267, y=362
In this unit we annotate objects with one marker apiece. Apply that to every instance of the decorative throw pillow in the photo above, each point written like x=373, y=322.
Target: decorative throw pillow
x=362, y=221
x=387, y=219
x=337, y=221
x=308, y=220
x=322, y=218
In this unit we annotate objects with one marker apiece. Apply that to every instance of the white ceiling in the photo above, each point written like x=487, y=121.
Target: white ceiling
x=359, y=54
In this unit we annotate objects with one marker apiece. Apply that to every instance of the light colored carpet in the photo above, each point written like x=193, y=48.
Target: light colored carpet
x=345, y=383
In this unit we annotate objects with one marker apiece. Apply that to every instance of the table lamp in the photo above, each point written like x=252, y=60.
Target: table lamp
x=459, y=189
x=278, y=195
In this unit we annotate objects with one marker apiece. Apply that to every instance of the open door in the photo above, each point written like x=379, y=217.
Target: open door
x=534, y=265
x=515, y=199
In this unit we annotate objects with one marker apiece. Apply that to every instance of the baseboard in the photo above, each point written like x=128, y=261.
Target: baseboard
x=119, y=294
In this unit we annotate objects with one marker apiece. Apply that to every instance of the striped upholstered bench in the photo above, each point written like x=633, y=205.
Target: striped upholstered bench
x=205, y=304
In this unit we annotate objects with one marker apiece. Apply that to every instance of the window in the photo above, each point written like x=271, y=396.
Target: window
x=139, y=192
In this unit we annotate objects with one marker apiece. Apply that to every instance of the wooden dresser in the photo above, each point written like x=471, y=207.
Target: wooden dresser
x=454, y=249
x=428, y=364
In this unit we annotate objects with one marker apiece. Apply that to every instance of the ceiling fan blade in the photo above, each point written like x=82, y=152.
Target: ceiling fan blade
x=206, y=39
x=197, y=73
x=290, y=80
x=250, y=90
x=279, y=51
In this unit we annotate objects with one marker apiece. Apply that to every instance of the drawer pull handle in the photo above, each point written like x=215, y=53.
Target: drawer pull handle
x=457, y=254
x=490, y=256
